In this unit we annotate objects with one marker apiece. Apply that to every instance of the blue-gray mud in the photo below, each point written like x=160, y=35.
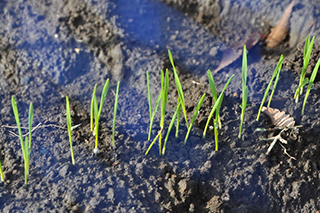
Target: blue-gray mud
x=50, y=49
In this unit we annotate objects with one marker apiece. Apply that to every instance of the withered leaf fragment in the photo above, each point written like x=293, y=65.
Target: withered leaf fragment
x=233, y=53
x=279, y=119
x=280, y=32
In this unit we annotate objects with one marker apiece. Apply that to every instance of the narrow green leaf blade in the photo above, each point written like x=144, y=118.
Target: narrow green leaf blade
x=194, y=116
x=115, y=112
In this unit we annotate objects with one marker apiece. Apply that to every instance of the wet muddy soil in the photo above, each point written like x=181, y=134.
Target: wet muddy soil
x=51, y=49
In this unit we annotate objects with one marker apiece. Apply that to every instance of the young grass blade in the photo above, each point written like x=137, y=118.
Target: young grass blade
x=69, y=128
x=244, y=105
x=178, y=117
x=24, y=144
x=244, y=87
x=1, y=173
x=103, y=96
x=96, y=121
x=312, y=78
x=115, y=113
x=164, y=96
x=179, y=88
x=154, y=140
x=196, y=111
x=274, y=86
x=153, y=114
x=216, y=136
x=277, y=70
x=27, y=146
x=97, y=112
x=212, y=86
x=30, y=123
x=92, y=107
x=217, y=104
x=149, y=96
x=306, y=57
x=170, y=127
x=16, y=115
x=214, y=94
x=26, y=160
x=244, y=68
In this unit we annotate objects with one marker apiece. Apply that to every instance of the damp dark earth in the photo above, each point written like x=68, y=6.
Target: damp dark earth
x=53, y=49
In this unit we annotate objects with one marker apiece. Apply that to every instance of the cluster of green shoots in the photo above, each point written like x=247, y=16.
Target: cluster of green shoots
x=162, y=101
x=303, y=81
x=162, y=98
x=25, y=144
x=275, y=73
x=95, y=112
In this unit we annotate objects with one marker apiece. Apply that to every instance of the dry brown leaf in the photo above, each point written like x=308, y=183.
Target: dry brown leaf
x=279, y=119
x=232, y=54
x=280, y=32
x=229, y=56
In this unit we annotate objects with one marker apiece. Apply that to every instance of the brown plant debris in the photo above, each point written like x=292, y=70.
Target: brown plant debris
x=233, y=53
x=280, y=32
x=279, y=119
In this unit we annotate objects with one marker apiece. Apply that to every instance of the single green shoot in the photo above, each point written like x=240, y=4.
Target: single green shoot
x=177, y=111
x=115, y=113
x=312, y=78
x=244, y=88
x=216, y=105
x=28, y=144
x=92, y=107
x=69, y=128
x=179, y=88
x=215, y=95
x=25, y=144
x=216, y=135
x=96, y=112
x=1, y=173
x=306, y=58
x=178, y=117
x=275, y=73
x=149, y=99
x=196, y=111
x=274, y=87
x=152, y=112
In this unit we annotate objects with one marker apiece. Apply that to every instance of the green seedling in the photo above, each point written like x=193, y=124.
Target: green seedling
x=177, y=111
x=163, y=97
x=1, y=173
x=115, y=113
x=179, y=89
x=306, y=58
x=194, y=116
x=214, y=95
x=312, y=78
x=275, y=73
x=25, y=144
x=244, y=88
x=216, y=107
x=96, y=112
x=69, y=128
x=152, y=112
x=216, y=133
x=178, y=118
